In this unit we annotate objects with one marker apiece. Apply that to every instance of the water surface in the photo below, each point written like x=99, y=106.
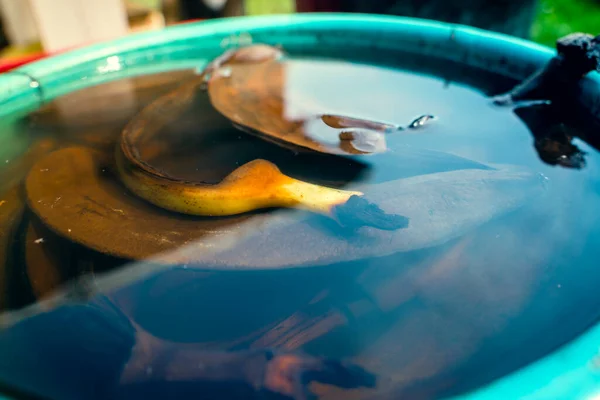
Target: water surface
x=495, y=270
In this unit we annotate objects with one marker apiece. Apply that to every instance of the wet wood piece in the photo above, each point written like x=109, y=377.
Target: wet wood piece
x=74, y=193
x=256, y=98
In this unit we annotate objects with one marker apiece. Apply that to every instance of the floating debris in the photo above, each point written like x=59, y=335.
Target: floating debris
x=362, y=141
x=39, y=241
x=422, y=120
x=343, y=122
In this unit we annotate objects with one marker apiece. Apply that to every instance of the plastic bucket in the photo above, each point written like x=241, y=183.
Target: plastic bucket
x=564, y=374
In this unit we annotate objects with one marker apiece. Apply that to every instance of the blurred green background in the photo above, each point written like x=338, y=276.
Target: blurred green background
x=557, y=18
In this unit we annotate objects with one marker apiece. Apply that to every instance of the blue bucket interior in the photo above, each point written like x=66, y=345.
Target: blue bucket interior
x=568, y=372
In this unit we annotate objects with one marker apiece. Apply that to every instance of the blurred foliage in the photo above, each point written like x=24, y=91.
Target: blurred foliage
x=557, y=18
x=258, y=7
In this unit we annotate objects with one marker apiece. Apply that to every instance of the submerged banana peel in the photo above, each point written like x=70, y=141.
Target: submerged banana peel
x=256, y=185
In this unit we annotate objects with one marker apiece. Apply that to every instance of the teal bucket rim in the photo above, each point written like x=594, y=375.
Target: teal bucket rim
x=566, y=373
x=170, y=34
x=157, y=51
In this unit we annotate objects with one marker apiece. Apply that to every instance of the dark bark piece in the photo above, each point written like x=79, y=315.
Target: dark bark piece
x=578, y=54
x=547, y=102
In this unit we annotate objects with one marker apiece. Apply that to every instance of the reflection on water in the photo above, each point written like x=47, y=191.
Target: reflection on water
x=495, y=269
